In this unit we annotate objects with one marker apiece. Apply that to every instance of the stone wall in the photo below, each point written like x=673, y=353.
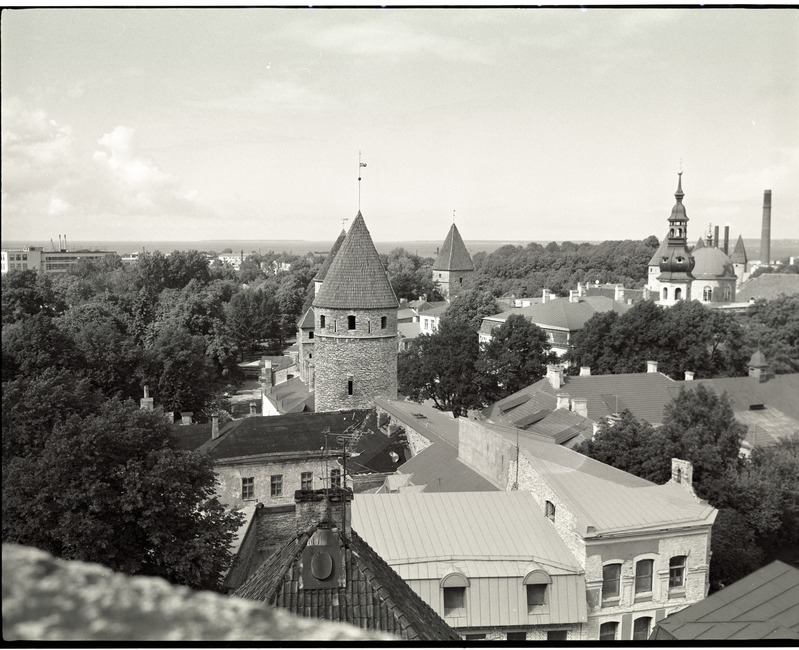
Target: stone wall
x=367, y=355
x=450, y=283
x=46, y=599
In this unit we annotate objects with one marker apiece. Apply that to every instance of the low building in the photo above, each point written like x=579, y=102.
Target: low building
x=763, y=606
x=489, y=563
x=35, y=258
x=430, y=318
x=328, y=571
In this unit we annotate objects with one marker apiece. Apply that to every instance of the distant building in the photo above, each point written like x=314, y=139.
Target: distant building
x=452, y=265
x=35, y=258
x=769, y=286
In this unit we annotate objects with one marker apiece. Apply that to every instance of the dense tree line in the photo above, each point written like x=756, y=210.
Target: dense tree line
x=757, y=497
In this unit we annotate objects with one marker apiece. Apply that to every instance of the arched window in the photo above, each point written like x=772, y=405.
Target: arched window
x=536, y=584
x=454, y=587
x=550, y=510
x=641, y=628
x=707, y=294
x=608, y=631
x=677, y=293
x=665, y=293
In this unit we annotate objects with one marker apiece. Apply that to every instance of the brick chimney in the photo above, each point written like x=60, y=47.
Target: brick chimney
x=682, y=473
x=715, y=236
x=651, y=366
x=146, y=402
x=214, y=426
x=689, y=375
x=555, y=376
x=546, y=295
x=563, y=401
x=726, y=240
x=585, y=371
x=618, y=293
x=574, y=296
x=185, y=417
x=580, y=406
x=311, y=508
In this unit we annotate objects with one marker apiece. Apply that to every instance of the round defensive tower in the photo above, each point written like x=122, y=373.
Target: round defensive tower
x=355, y=327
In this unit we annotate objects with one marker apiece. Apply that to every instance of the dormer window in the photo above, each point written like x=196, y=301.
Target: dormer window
x=536, y=585
x=454, y=587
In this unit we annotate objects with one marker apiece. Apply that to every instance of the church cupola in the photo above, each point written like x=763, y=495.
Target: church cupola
x=676, y=262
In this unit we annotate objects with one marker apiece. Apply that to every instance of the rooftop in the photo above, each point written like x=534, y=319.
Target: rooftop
x=769, y=286
x=453, y=255
x=560, y=313
x=291, y=396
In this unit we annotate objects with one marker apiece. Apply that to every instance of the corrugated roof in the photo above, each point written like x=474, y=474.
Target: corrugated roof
x=763, y=605
x=320, y=276
x=374, y=597
x=356, y=279
x=453, y=255
x=769, y=286
x=291, y=396
x=486, y=526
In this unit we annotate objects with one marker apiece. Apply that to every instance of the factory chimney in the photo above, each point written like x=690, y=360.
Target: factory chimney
x=726, y=240
x=716, y=237
x=765, y=236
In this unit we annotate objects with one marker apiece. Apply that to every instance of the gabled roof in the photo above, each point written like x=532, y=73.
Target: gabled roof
x=320, y=275
x=291, y=396
x=356, y=279
x=769, y=286
x=739, y=252
x=560, y=313
x=763, y=605
x=374, y=597
x=307, y=320
x=453, y=255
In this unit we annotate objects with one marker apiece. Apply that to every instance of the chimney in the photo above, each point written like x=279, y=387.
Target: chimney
x=555, y=376
x=563, y=401
x=169, y=416
x=765, y=235
x=146, y=402
x=252, y=408
x=185, y=417
x=580, y=289
x=651, y=366
x=545, y=295
x=618, y=293
x=311, y=508
x=689, y=375
x=573, y=296
x=580, y=406
x=726, y=240
x=715, y=237
x=214, y=426
x=585, y=371
x=682, y=473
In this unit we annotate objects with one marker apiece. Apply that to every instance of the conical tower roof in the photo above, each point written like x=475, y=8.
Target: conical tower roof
x=356, y=279
x=320, y=276
x=700, y=244
x=739, y=252
x=453, y=255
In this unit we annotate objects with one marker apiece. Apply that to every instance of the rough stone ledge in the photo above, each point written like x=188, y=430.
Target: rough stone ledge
x=48, y=599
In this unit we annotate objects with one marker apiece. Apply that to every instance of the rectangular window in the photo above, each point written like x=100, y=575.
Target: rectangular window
x=677, y=572
x=335, y=478
x=557, y=635
x=306, y=481
x=277, y=485
x=382, y=322
x=607, y=631
x=641, y=628
x=350, y=322
x=248, y=488
x=349, y=387
x=321, y=321
x=517, y=636
x=643, y=576
x=454, y=601
x=536, y=596
x=310, y=335
x=369, y=326
x=611, y=578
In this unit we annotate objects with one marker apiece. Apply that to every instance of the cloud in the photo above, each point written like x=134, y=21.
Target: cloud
x=273, y=95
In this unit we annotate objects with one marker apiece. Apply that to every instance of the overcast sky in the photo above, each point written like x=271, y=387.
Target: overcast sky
x=154, y=124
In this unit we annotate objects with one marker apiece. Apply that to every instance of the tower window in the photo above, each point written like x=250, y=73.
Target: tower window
x=382, y=322
x=349, y=385
x=350, y=322
x=335, y=478
x=665, y=293
x=678, y=294
x=310, y=335
x=369, y=326
x=707, y=294
x=321, y=321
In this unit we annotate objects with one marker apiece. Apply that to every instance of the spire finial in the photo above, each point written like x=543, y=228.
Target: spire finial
x=344, y=223
x=453, y=215
x=360, y=164
x=679, y=193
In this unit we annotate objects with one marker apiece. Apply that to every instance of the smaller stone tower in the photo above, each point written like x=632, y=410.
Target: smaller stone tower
x=676, y=263
x=453, y=265
x=355, y=329
x=740, y=261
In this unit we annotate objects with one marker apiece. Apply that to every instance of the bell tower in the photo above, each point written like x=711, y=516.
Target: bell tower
x=675, y=262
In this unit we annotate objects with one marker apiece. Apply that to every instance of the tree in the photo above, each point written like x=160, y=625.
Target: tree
x=632, y=445
x=27, y=293
x=734, y=551
x=516, y=356
x=32, y=345
x=772, y=326
x=441, y=367
x=471, y=306
x=111, y=488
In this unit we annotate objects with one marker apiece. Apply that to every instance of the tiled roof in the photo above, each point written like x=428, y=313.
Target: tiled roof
x=356, y=279
x=660, y=252
x=769, y=286
x=763, y=605
x=374, y=597
x=645, y=394
x=739, y=252
x=779, y=391
x=192, y=436
x=453, y=255
x=307, y=320
x=559, y=313
x=290, y=433
x=320, y=276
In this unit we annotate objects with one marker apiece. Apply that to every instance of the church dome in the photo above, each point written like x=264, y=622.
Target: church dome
x=712, y=263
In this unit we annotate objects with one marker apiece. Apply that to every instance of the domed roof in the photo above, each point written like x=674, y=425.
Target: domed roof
x=712, y=263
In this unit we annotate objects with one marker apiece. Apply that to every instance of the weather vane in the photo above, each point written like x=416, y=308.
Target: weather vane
x=453, y=215
x=345, y=220
x=360, y=164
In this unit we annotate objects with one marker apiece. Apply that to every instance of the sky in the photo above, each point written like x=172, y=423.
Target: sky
x=529, y=124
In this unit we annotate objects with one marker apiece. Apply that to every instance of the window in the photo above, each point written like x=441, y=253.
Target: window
x=665, y=293
x=536, y=596
x=550, y=510
x=727, y=293
x=557, y=635
x=611, y=578
x=350, y=322
x=335, y=478
x=349, y=386
x=382, y=322
x=321, y=321
x=474, y=637
x=310, y=335
x=517, y=636
x=608, y=631
x=641, y=628
x=248, y=488
x=678, y=294
x=677, y=572
x=277, y=485
x=707, y=294
x=369, y=326
x=643, y=576
x=335, y=325
x=454, y=601
x=306, y=481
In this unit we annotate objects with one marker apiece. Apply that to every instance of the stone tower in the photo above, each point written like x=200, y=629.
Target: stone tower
x=355, y=327
x=676, y=263
x=740, y=261
x=453, y=265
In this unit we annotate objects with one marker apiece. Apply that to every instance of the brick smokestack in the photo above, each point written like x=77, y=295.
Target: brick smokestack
x=726, y=240
x=716, y=237
x=765, y=234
